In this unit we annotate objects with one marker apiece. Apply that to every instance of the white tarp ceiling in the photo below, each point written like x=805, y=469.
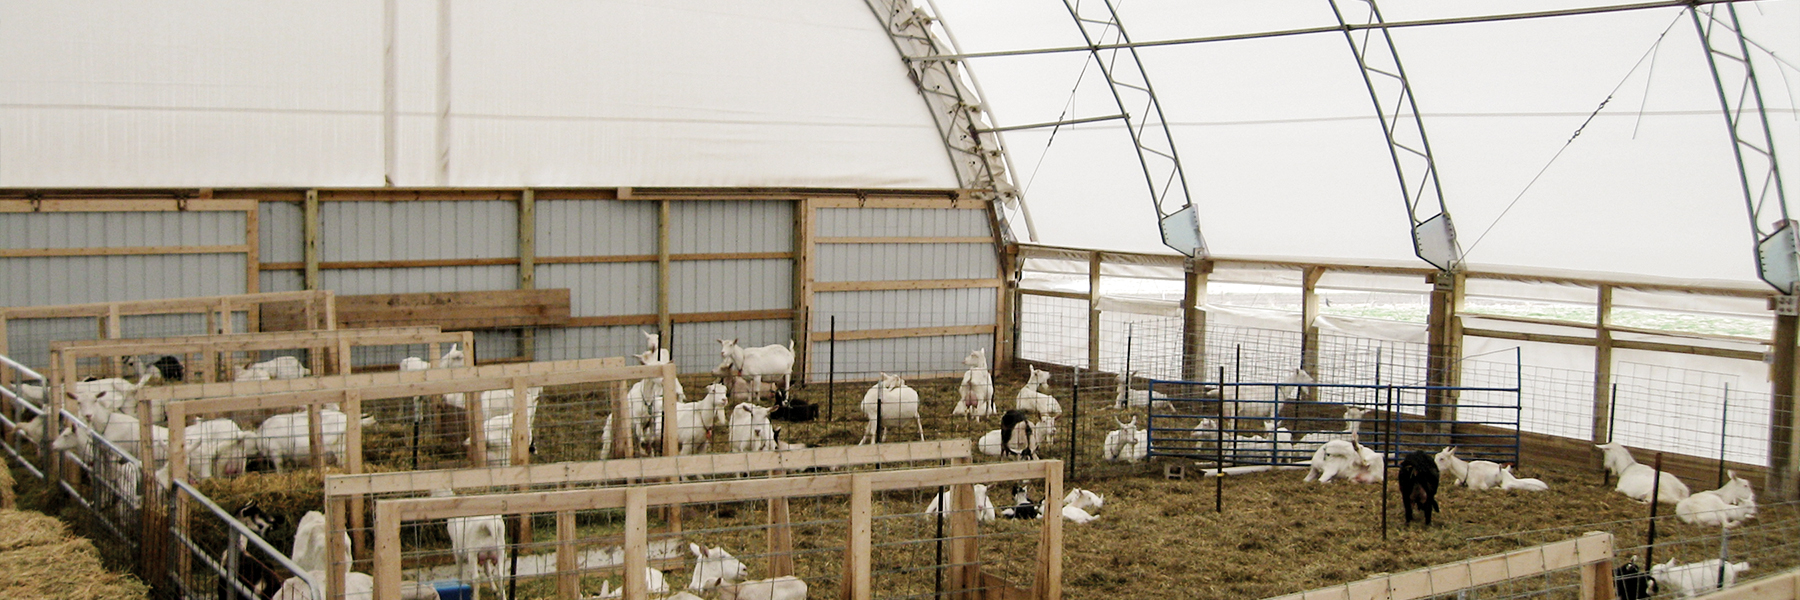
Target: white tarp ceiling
x=564, y=93
x=1284, y=156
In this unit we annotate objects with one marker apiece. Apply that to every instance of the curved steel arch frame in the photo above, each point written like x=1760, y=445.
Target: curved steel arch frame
x=1772, y=232
x=975, y=148
x=1434, y=236
x=1156, y=151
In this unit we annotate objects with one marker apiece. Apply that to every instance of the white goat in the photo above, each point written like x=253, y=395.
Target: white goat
x=480, y=547
x=309, y=542
x=1508, y=481
x=285, y=437
x=1130, y=398
x=976, y=392
x=217, y=447
x=694, y=420
x=497, y=431
x=1476, y=474
x=755, y=363
x=780, y=588
x=112, y=394
x=1030, y=398
x=989, y=443
x=984, y=508
x=1727, y=506
x=1084, y=500
x=280, y=367
x=1693, y=579
x=1339, y=458
x=894, y=401
x=714, y=566
x=120, y=429
x=1261, y=401
x=1027, y=436
x=1079, y=516
x=1126, y=443
x=1636, y=481
x=454, y=358
x=750, y=430
x=414, y=363
x=1352, y=426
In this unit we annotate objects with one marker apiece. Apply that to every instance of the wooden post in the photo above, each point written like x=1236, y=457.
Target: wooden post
x=568, y=582
x=528, y=263
x=253, y=259
x=1597, y=581
x=336, y=567
x=804, y=214
x=1005, y=310
x=315, y=436
x=857, y=577
x=1784, y=463
x=1309, y=326
x=353, y=463
x=637, y=542
x=1093, y=305
x=387, y=551
x=477, y=429
x=621, y=434
x=964, y=573
x=662, y=271
x=1048, y=584
x=112, y=333
x=781, y=536
x=521, y=441
x=178, y=464
x=1603, y=364
x=671, y=443
x=344, y=364
x=1193, y=319
x=309, y=225
x=1445, y=337
x=152, y=528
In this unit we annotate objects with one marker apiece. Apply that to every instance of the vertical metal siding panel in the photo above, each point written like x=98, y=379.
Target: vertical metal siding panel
x=82, y=279
x=28, y=340
x=420, y=280
x=151, y=326
x=604, y=289
x=730, y=285
x=121, y=229
x=896, y=309
x=283, y=233
x=364, y=231
x=711, y=227
x=596, y=228
x=283, y=281
x=888, y=262
x=594, y=342
x=911, y=222
x=863, y=359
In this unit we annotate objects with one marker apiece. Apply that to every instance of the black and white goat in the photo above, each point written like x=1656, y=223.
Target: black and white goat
x=256, y=577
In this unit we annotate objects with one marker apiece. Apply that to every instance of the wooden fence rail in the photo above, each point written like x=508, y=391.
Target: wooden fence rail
x=1592, y=553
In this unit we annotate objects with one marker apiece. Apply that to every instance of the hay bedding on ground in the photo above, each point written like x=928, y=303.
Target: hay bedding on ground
x=1155, y=539
x=40, y=559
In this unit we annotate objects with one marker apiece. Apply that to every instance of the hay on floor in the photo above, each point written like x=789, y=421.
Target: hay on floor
x=40, y=559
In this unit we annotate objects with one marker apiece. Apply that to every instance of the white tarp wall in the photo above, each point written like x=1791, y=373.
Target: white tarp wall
x=484, y=93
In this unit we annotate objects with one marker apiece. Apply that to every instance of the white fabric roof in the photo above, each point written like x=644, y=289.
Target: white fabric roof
x=756, y=93
x=1284, y=156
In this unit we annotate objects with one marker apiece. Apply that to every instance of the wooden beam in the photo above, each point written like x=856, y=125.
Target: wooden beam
x=69, y=205
x=805, y=254
x=879, y=202
x=712, y=317
x=1686, y=349
x=123, y=251
x=919, y=284
x=1784, y=451
x=1785, y=586
x=568, y=581
x=528, y=264
x=195, y=305
x=910, y=332
x=1054, y=294
x=604, y=471
x=1528, y=337
x=491, y=309
x=1450, y=578
x=1309, y=325
x=1445, y=333
x=984, y=240
x=1193, y=320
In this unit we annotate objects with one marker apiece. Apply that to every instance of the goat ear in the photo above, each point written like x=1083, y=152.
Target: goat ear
x=695, y=548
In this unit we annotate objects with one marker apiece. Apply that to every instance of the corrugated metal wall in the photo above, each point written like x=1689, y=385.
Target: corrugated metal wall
x=731, y=274
x=907, y=308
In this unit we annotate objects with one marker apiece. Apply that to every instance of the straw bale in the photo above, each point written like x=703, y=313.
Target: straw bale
x=41, y=560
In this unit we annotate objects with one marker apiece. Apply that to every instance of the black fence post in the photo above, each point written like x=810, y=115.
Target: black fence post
x=1075, y=419
x=1724, y=424
x=831, y=374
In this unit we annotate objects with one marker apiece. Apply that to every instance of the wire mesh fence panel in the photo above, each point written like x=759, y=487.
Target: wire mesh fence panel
x=105, y=482
x=1690, y=412
x=221, y=551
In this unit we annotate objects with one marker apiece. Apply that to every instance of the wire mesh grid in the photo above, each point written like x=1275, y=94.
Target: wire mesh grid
x=1685, y=411
x=225, y=550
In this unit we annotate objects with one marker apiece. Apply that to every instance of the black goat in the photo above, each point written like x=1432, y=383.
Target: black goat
x=253, y=574
x=1022, y=508
x=1631, y=582
x=1418, y=485
x=1014, y=423
x=793, y=410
